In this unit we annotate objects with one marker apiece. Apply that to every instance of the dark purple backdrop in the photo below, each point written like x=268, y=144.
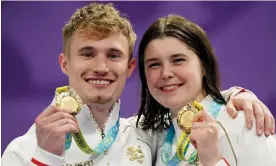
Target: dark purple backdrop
x=242, y=33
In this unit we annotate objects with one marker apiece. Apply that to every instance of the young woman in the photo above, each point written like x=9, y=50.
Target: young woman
x=178, y=66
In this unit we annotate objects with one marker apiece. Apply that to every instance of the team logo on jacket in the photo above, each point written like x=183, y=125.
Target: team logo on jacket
x=135, y=154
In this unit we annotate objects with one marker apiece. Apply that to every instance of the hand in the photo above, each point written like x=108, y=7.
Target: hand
x=204, y=137
x=252, y=106
x=51, y=127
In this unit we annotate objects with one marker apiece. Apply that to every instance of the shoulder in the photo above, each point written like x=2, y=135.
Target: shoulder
x=29, y=137
x=25, y=141
x=233, y=127
x=22, y=148
x=247, y=144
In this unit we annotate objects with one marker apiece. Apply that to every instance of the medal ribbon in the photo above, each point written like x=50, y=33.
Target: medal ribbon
x=103, y=145
x=183, y=142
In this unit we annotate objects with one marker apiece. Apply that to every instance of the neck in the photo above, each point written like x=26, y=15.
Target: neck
x=174, y=111
x=100, y=114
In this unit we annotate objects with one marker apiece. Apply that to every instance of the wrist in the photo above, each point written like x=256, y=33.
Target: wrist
x=239, y=90
x=222, y=162
x=57, y=151
x=213, y=161
x=43, y=158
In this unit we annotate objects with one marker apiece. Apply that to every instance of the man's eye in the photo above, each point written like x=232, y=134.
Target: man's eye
x=87, y=54
x=113, y=56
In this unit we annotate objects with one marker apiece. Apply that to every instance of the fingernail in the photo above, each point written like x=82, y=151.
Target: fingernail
x=267, y=133
x=260, y=131
x=273, y=131
x=249, y=125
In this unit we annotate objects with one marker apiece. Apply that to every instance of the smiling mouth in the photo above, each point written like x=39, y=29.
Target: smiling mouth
x=169, y=88
x=99, y=82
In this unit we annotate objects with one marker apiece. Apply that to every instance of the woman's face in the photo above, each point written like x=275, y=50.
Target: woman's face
x=173, y=73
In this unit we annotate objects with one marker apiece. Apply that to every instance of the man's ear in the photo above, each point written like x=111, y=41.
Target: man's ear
x=131, y=67
x=63, y=62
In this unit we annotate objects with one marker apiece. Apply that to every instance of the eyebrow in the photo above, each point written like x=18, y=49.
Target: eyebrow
x=90, y=48
x=86, y=48
x=171, y=56
x=116, y=50
x=151, y=60
x=178, y=55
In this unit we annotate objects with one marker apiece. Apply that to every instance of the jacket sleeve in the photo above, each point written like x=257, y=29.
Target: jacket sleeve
x=24, y=151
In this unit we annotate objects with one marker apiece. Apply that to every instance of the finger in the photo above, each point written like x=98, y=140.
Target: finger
x=194, y=144
x=209, y=128
x=273, y=125
x=231, y=109
x=68, y=128
x=51, y=109
x=66, y=110
x=259, y=116
x=48, y=111
x=269, y=123
x=272, y=120
x=198, y=117
x=203, y=115
x=62, y=122
x=59, y=115
x=207, y=117
x=196, y=125
x=198, y=135
x=248, y=111
x=195, y=136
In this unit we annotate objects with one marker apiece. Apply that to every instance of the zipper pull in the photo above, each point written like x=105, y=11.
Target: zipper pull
x=103, y=135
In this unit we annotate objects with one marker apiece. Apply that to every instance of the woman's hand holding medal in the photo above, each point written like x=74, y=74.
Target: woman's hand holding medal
x=202, y=130
x=204, y=137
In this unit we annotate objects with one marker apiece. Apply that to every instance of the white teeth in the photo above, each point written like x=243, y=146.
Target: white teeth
x=169, y=87
x=99, y=82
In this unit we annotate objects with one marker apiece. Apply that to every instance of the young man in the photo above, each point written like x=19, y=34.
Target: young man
x=97, y=58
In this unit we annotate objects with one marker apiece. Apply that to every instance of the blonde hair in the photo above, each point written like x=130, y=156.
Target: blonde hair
x=98, y=21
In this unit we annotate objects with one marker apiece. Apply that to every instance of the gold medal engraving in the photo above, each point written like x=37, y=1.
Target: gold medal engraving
x=186, y=114
x=69, y=103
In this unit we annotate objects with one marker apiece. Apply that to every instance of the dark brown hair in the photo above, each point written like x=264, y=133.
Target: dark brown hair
x=154, y=115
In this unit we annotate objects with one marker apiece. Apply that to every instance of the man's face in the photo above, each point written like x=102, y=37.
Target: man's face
x=98, y=69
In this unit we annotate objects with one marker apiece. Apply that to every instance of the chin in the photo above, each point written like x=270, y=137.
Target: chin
x=100, y=99
x=169, y=104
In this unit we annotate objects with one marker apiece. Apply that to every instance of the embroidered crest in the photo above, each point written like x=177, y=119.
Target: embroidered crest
x=135, y=154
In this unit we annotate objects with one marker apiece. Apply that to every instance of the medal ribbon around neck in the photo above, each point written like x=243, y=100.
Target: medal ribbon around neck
x=67, y=98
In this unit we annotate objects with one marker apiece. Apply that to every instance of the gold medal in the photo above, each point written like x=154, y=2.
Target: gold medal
x=67, y=98
x=69, y=103
x=186, y=114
